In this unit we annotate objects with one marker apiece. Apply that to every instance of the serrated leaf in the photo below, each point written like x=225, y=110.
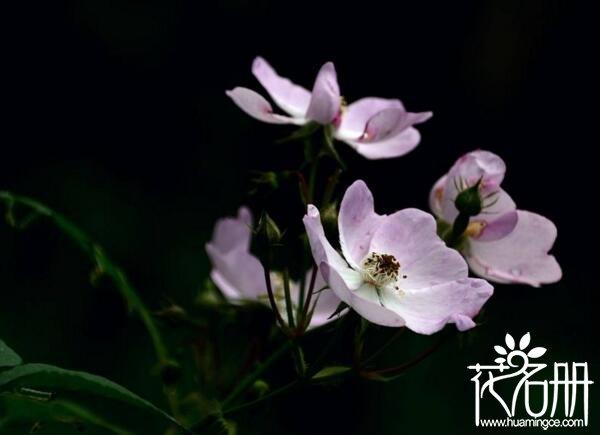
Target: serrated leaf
x=8, y=357
x=510, y=341
x=536, y=352
x=51, y=378
x=331, y=371
x=500, y=350
x=525, y=340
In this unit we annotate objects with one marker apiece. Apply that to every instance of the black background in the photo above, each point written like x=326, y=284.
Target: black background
x=115, y=114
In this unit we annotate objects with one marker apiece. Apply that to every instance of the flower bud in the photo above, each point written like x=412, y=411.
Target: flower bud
x=269, y=229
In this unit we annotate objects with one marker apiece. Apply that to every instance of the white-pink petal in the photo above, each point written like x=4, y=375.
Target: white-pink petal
x=427, y=310
x=389, y=123
x=325, y=100
x=258, y=107
x=237, y=273
x=499, y=227
x=521, y=257
x=394, y=146
x=322, y=250
x=357, y=114
x=292, y=98
x=326, y=303
x=231, y=233
x=425, y=261
x=357, y=222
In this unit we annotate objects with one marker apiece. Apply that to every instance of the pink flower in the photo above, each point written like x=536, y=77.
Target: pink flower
x=377, y=128
x=395, y=270
x=240, y=275
x=504, y=244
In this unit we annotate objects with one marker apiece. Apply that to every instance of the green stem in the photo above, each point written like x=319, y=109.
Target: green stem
x=312, y=179
x=316, y=365
x=385, y=345
x=332, y=182
x=288, y=298
x=283, y=389
x=299, y=359
x=311, y=290
x=249, y=380
x=394, y=371
x=271, y=295
x=458, y=229
x=105, y=265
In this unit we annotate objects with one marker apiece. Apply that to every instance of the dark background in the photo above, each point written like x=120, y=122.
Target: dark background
x=115, y=115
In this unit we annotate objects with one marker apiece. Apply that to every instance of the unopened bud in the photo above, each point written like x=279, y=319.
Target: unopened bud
x=269, y=228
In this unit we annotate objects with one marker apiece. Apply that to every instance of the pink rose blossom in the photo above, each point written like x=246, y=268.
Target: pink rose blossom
x=504, y=244
x=240, y=275
x=395, y=270
x=377, y=128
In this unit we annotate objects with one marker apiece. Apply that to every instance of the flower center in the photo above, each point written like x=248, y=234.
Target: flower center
x=380, y=269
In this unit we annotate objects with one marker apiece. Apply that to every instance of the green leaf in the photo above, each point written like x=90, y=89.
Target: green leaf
x=17, y=408
x=8, y=357
x=51, y=378
x=331, y=371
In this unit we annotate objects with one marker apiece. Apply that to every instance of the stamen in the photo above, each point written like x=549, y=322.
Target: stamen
x=380, y=269
x=475, y=228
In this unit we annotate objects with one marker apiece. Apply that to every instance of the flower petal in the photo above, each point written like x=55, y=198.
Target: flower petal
x=427, y=310
x=389, y=123
x=325, y=101
x=357, y=222
x=346, y=288
x=322, y=250
x=257, y=107
x=499, y=227
x=425, y=261
x=436, y=196
x=521, y=257
x=462, y=322
x=325, y=305
x=394, y=146
x=357, y=114
x=237, y=273
x=232, y=233
x=289, y=96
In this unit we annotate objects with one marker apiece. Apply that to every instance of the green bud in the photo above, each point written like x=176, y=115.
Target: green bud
x=329, y=217
x=269, y=179
x=269, y=228
x=469, y=202
x=260, y=387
